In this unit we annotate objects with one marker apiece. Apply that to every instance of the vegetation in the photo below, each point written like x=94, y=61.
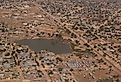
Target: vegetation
x=105, y=80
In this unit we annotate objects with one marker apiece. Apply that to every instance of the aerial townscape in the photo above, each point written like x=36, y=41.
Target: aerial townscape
x=60, y=40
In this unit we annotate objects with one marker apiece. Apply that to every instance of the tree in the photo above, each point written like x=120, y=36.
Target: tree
x=119, y=49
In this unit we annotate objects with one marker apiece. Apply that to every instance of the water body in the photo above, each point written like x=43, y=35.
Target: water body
x=52, y=45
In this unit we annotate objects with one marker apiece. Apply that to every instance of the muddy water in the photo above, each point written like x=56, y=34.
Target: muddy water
x=52, y=45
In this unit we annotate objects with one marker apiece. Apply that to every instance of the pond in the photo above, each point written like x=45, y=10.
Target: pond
x=53, y=45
